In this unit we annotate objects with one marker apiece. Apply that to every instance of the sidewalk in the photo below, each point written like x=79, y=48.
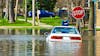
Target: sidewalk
x=40, y=24
x=45, y=25
x=97, y=26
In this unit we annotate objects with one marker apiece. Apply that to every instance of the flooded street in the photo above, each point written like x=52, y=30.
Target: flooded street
x=98, y=43
x=28, y=42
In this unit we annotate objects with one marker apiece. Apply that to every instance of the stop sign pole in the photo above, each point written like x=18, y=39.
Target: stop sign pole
x=78, y=13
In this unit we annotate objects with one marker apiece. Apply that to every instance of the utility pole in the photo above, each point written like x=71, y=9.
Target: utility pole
x=33, y=12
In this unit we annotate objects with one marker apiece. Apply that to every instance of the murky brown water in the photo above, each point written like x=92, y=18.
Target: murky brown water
x=27, y=42
x=98, y=43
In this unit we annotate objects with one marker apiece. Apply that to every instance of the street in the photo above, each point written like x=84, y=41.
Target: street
x=31, y=42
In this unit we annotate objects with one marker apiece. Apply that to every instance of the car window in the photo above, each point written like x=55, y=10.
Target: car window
x=64, y=30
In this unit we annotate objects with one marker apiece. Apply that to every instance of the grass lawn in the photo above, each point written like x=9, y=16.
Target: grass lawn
x=55, y=21
x=97, y=29
x=17, y=23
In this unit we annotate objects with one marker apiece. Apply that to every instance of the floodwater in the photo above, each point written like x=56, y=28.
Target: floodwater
x=31, y=42
x=97, y=43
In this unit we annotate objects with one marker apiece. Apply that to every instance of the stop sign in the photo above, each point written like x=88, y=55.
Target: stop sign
x=78, y=12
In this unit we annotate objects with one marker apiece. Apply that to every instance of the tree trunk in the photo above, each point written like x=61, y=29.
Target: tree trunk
x=25, y=14
x=91, y=17
x=33, y=12
x=16, y=9
x=7, y=6
x=1, y=8
x=11, y=11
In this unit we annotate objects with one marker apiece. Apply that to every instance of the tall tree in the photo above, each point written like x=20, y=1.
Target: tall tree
x=1, y=8
x=11, y=11
x=91, y=17
x=47, y=4
x=16, y=8
x=33, y=12
x=25, y=15
x=7, y=6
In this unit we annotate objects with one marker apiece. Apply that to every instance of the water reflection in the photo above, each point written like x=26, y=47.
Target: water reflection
x=38, y=48
x=64, y=49
x=15, y=47
x=98, y=43
x=23, y=31
x=31, y=42
x=15, y=31
x=91, y=45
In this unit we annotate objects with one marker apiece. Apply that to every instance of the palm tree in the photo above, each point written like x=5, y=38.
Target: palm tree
x=7, y=5
x=1, y=8
x=25, y=15
x=91, y=17
x=33, y=12
x=11, y=11
x=16, y=8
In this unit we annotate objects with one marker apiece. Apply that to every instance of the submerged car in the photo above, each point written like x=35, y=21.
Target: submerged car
x=64, y=33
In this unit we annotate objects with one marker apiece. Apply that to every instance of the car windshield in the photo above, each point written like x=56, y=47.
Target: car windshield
x=64, y=30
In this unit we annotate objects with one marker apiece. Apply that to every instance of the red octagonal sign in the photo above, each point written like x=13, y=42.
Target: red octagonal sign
x=78, y=12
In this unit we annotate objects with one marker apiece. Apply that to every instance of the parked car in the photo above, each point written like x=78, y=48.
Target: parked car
x=62, y=13
x=43, y=13
x=64, y=33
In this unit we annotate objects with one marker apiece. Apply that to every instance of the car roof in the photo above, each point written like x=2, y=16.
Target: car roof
x=66, y=26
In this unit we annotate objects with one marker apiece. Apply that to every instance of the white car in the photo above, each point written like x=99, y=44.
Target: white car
x=64, y=33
